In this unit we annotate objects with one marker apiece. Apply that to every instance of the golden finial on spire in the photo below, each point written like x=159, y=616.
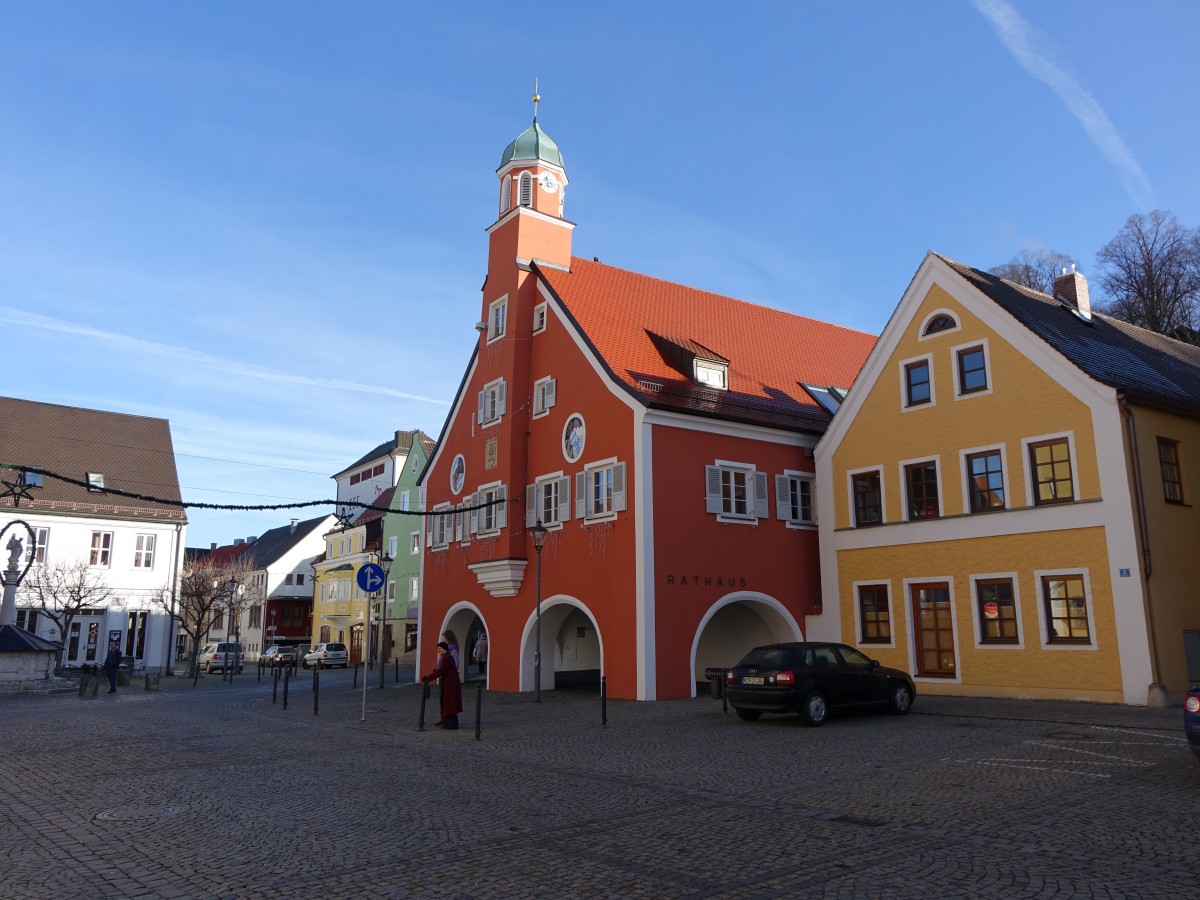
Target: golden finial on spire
x=536, y=98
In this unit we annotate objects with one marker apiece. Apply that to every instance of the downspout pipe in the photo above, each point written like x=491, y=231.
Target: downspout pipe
x=1157, y=695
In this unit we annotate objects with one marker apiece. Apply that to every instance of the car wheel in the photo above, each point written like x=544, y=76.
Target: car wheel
x=815, y=709
x=748, y=715
x=901, y=699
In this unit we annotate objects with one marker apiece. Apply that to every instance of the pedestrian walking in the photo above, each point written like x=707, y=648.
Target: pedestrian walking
x=446, y=673
x=480, y=653
x=111, y=664
x=452, y=641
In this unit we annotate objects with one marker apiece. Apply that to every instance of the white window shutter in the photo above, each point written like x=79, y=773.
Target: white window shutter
x=501, y=506
x=483, y=406
x=530, y=505
x=783, y=497
x=473, y=501
x=458, y=523
x=581, y=480
x=619, y=487
x=564, y=498
x=501, y=392
x=712, y=489
x=429, y=530
x=551, y=386
x=506, y=195
x=762, y=508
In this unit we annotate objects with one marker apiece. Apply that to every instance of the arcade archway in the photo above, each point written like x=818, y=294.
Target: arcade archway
x=737, y=623
x=572, y=647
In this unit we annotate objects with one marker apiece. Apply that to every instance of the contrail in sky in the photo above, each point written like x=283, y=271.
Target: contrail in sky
x=25, y=319
x=1018, y=37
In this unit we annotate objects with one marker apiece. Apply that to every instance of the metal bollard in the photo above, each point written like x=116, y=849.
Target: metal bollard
x=286, y=677
x=356, y=675
x=604, y=700
x=424, y=697
x=260, y=670
x=478, y=706
x=397, y=678
x=316, y=687
x=274, y=684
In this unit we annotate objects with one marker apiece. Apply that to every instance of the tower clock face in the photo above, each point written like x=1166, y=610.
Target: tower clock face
x=548, y=182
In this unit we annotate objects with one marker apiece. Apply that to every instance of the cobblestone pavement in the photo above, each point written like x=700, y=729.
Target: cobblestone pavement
x=215, y=791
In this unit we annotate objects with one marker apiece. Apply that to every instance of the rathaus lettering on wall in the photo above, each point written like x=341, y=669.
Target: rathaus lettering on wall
x=706, y=581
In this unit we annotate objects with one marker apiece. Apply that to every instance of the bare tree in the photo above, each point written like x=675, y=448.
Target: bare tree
x=205, y=597
x=1151, y=274
x=1034, y=268
x=62, y=591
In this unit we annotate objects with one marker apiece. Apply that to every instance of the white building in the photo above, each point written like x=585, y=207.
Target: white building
x=128, y=545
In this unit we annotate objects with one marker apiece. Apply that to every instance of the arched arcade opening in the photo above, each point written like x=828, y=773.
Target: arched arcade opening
x=736, y=623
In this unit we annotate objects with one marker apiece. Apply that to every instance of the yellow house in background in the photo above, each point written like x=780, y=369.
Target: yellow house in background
x=1007, y=497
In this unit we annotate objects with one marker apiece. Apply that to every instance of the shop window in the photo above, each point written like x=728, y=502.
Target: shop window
x=996, y=610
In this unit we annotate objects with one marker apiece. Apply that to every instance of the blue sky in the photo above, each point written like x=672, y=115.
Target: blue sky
x=264, y=221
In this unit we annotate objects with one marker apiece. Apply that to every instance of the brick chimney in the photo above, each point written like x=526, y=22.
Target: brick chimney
x=1073, y=288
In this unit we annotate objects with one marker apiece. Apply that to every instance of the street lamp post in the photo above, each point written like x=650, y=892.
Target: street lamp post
x=387, y=561
x=232, y=587
x=539, y=541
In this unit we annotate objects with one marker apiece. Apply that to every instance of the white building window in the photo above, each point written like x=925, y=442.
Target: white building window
x=414, y=589
x=440, y=526
x=101, y=548
x=548, y=501
x=143, y=552
x=493, y=513
x=497, y=317
x=505, y=195
x=492, y=402
x=735, y=492
x=525, y=189
x=41, y=545
x=712, y=374
x=95, y=481
x=539, y=318
x=414, y=543
x=393, y=546
x=544, y=390
x=794, y=499
x=404, y=501
x=600, y=491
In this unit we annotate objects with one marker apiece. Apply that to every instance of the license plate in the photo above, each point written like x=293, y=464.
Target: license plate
x=753, y=679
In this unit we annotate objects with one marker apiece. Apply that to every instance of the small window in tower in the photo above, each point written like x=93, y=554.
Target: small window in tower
x=525, y=191
x=505, y=195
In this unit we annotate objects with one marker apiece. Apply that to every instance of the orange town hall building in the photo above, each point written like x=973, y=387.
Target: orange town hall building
x=662, y=434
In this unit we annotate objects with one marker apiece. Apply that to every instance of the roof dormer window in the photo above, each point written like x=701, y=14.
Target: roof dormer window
x=711, y=374
x=95, y=481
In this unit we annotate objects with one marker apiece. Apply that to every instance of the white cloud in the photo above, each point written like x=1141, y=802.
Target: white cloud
x=24, y=319
x=1019, y=37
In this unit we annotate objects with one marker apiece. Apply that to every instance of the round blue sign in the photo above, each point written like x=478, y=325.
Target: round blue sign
x=370, y=577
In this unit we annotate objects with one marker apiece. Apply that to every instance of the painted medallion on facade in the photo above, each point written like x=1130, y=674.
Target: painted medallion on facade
x=574, y=437
x=458, y=474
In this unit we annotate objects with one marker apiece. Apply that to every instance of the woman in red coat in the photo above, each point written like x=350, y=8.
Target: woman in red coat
x=447, y=671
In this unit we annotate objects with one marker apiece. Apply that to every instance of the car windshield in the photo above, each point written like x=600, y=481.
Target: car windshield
x=767, y=658
x=854, y=657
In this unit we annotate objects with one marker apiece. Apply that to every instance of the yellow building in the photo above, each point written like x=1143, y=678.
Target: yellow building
x=1006, y=497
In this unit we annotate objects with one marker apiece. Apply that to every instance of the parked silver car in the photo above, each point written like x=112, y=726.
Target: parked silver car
x=327, y=656
x=213, y=655
x=278, y=655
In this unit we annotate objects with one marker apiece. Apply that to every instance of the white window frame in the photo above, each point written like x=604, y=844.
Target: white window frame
x=143, y=551
x=611, y=474
x=714, y=370
x=987, y=368
x=1093, y=643
x=965, y=471
x=555, y=489
x=539, y=318
x=922, y=336
x=414, y=543
x=101, y=550
x=757, y=495
x=783, y=498
x=490, y=520
x=977, y=625
x=1027, y=466
x=936, y=459
x=95, y=481
x=525, y=189
x=404, y=496
x=440, y=528
x=852, y=508
x=905, y=406
x=891, y=610
x=497, y=318
x=393, y=545
x=544, y=396
x=505, y=195
x=41, y=545
x=414, y=589
x=492, y=402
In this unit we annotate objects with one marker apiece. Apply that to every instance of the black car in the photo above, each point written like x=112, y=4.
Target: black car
x=813, y=679
x=1191, y=719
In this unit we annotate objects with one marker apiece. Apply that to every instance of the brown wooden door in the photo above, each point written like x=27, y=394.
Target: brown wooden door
x=933, y=628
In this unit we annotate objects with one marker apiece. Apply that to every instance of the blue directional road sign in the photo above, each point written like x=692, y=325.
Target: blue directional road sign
x=370, y=577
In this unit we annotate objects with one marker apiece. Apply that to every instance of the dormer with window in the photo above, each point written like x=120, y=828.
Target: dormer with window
x=694, y=361
x=95, y=481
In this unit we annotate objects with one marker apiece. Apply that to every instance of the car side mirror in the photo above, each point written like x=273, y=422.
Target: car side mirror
x=874, y=664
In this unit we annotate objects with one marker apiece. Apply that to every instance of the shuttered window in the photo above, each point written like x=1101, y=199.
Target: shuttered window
x=735, y=492
x=600, y=491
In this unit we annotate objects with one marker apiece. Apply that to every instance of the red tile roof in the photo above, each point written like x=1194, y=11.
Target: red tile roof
x=223, y=556
x=769, y=351
x=370, y=515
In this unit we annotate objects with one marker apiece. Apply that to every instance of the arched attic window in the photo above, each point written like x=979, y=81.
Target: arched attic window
x=525, y=190
x=940, y=322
